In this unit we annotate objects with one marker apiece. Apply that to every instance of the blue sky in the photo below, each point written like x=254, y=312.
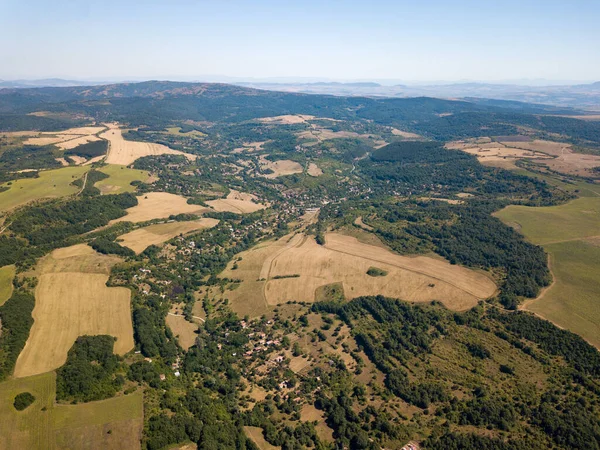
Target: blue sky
x=376, y=39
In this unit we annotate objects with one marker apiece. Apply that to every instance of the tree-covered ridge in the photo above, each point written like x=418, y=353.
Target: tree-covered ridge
x=397, y=336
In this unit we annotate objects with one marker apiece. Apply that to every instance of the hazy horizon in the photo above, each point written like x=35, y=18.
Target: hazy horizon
x=384, y=40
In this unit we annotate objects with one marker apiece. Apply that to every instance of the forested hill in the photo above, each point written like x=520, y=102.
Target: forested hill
x=161, y=103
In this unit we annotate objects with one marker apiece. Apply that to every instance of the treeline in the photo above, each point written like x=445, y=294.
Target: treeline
x=50, y=224
x=16, y=321
x=90, y=371
x=28, y=157
x=89, y=150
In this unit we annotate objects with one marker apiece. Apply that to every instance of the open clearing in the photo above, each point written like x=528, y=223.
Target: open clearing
x=279, y=168
x=159, y=205
x=64, y=140
x=120, y=178
x=7, y=273
x=49, y=184
x=184, y=331
x=405, y=134
x=71, y=300
x=314, y=170
x=570, y=233
x=123, y=152
x=556, y=156
x=256, y=435
x=577, y=219
x=140, y=239
x=293, y=267
x=236, y=202
x=111, y=424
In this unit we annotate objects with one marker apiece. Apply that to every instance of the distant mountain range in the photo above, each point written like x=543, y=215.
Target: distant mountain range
x=581, y=96
x=585, y=96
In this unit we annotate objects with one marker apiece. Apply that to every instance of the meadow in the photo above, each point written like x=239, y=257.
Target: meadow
x=119, y=179
x=7, y=273
x=115, y=423
x=570, y=233
x=49, y=184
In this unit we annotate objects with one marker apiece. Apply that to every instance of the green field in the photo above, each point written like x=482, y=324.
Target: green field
x=551, y=224
x=7, y=273
x=569, y=234
x=109, y=424
x=51, y=183
x=120, y=178
x=573, y=302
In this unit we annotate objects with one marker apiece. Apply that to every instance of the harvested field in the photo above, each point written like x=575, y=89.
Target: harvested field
x=72, y=292
x=404, y=134
x=123, y=152
x=7, y=273
x=184, y=331
x=267, y=268
x=49, y=184
x=49, y=140
x=140, y=239
x=72, y=143
x=120, y=179
x=236, y=202
x=63, y=161
x=286, y=119
x=556, y=156
x=159, y=205
x=314, y=170
x=279, y=168
x=110, y=424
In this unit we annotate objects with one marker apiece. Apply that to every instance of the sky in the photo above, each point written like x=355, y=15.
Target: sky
x=416, y=41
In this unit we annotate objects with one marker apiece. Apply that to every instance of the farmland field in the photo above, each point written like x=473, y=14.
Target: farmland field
x=236, y=202
x=124, y=152
x=293, y=268
x=159, y=205
x=280, y=167
x=120, y=178
x=51, y=183
x=574, y=220
x=138, y=240
x=184, y=331
x=115, y=423
x=569, y=233
x=7, y=273
x=72, y=291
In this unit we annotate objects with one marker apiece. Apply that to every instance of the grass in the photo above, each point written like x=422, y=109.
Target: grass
x=573, y=302
x=72, y=292
x=567, y=233
x=119, y=179
x=176, y=131
x=45, y=425
x=50, y=183
x=545, y=225
x=7, y=273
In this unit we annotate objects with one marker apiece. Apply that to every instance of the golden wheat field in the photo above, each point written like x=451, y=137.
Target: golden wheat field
x=72, y=300
x=294, y=267
x=140, y=239
x=159, y=205
x=236, y=202
x=279, y=168
x=124, y=152
x=184, y=331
